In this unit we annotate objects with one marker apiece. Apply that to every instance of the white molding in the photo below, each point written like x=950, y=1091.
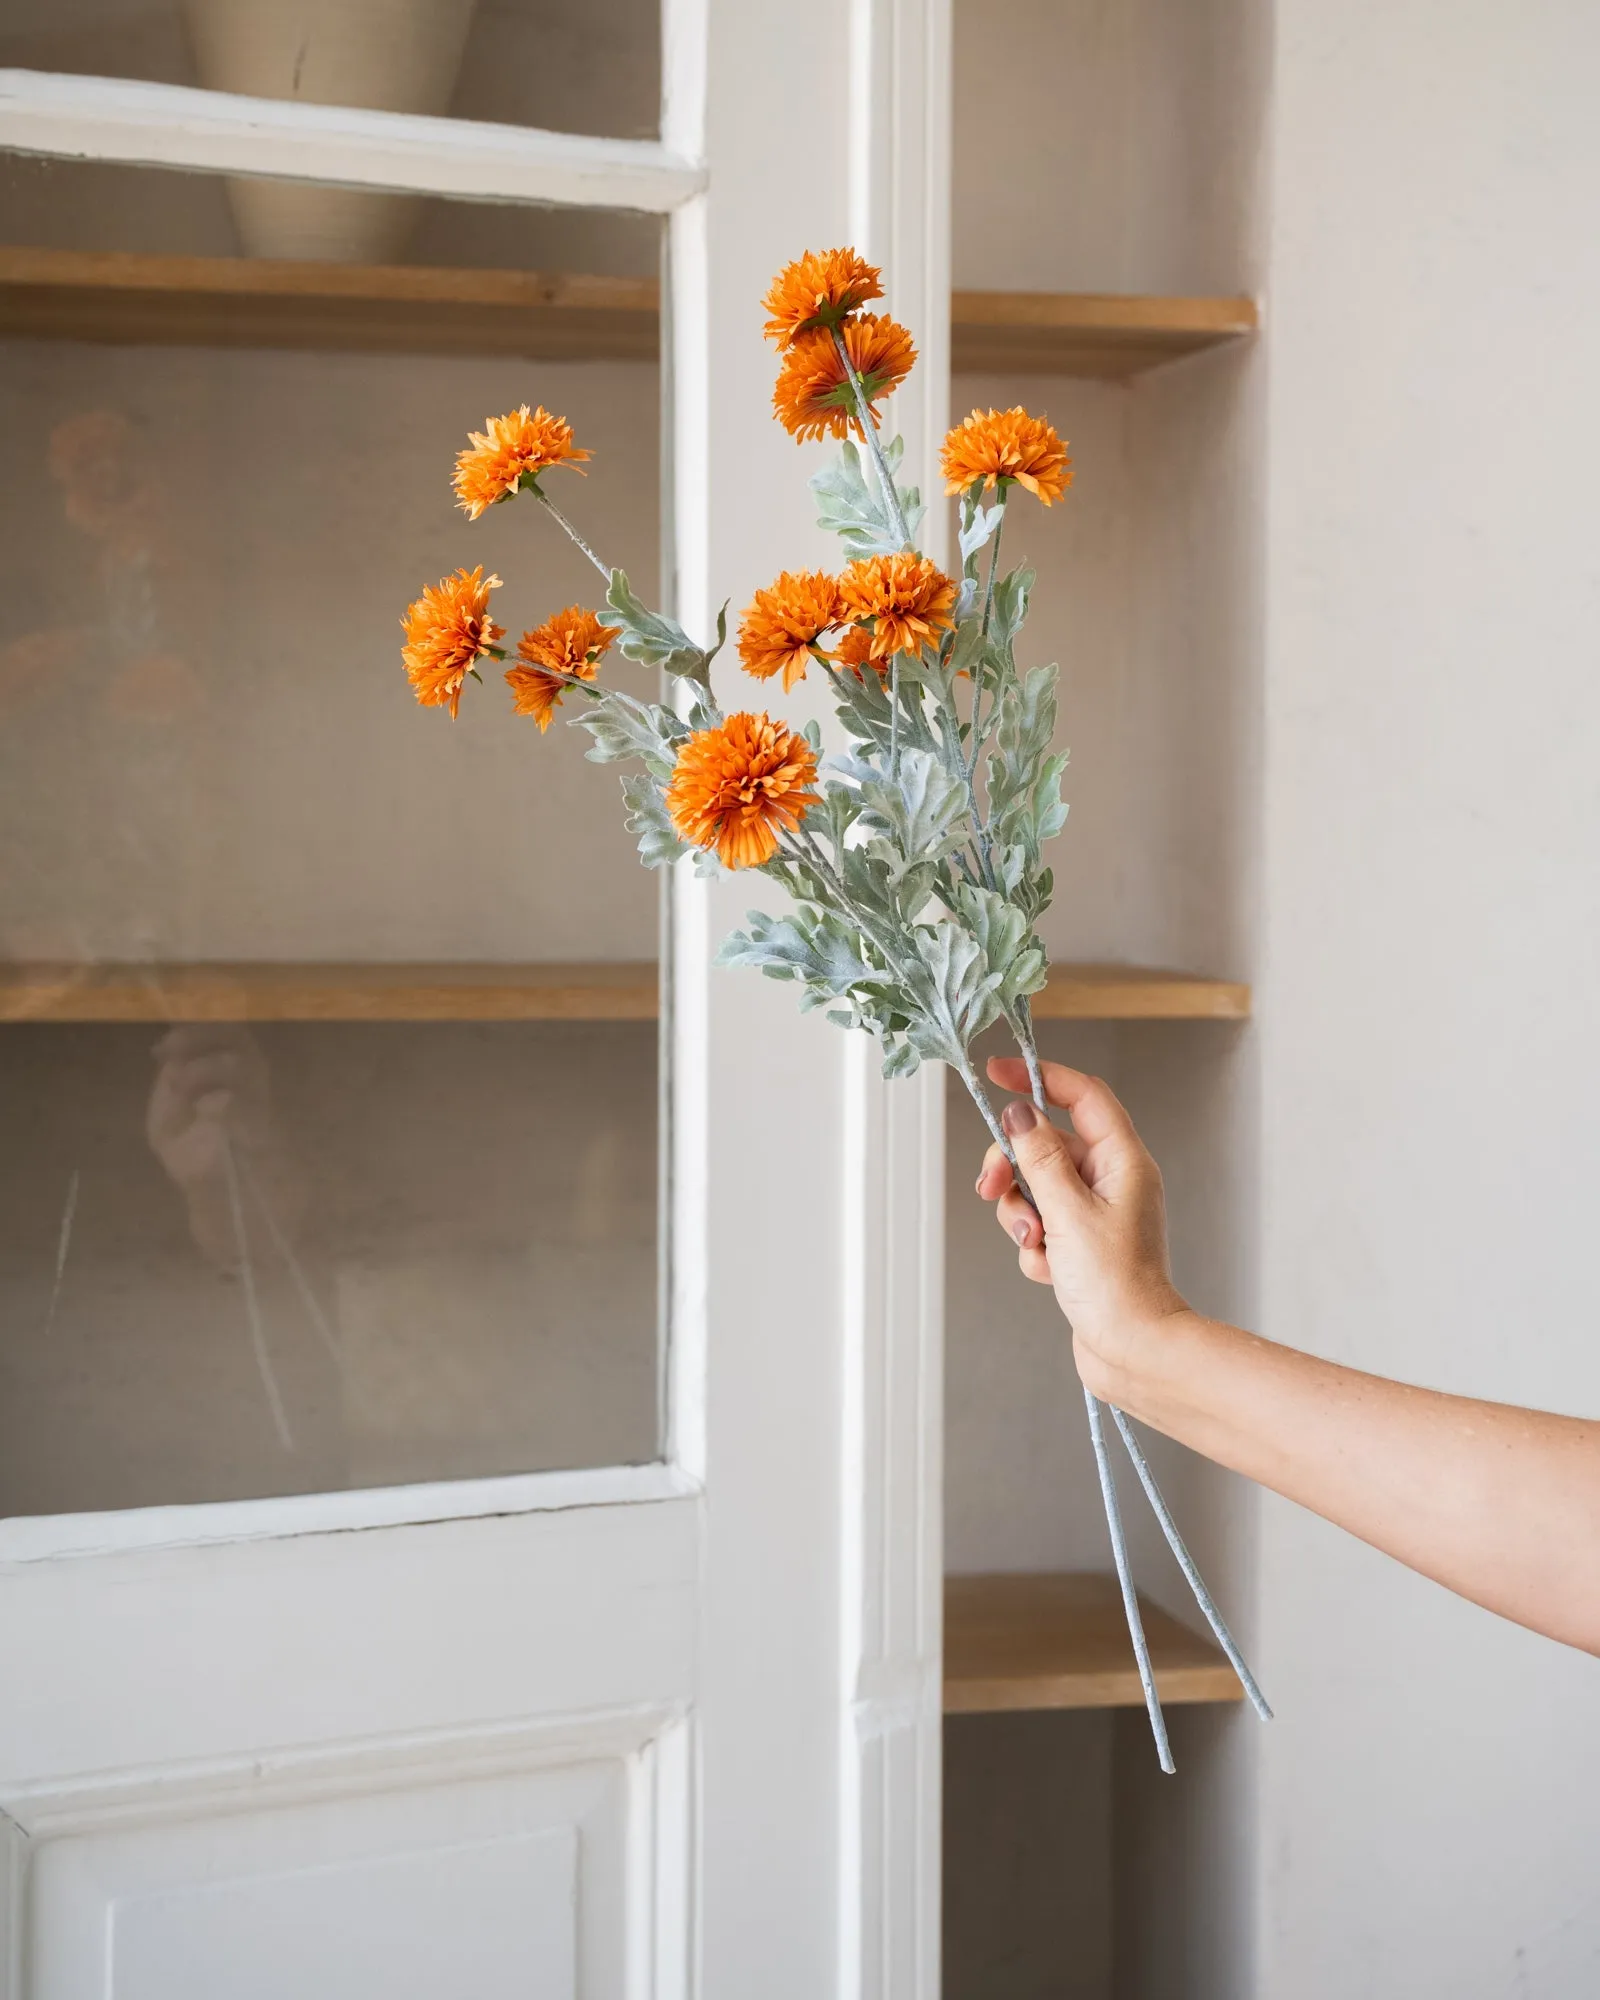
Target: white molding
x=893, y=1164
x=98, y=1800
x=45, y=1537
x=169, y=125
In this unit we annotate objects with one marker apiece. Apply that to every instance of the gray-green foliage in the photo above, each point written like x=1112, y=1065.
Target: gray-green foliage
x=917, y=879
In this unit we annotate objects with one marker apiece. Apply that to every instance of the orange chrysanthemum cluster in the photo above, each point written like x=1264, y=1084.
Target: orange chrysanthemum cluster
x=514, y=447
x=814, y=305
x=886, y=604
x=819, y=289
x=780, y=632
x=448, y=630
x=737, y=786
x=1002, y=447
x=573, y=642
x=813, y=397
x=907, y=598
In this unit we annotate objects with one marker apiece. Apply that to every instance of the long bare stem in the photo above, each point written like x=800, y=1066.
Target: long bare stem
x=1130, y=1597
x=1186, y=1563
x=550, y=507
x=1022, y=1027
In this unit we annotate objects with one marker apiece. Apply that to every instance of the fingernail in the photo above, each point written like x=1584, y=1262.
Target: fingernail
x=1018, y=1117
x=1022, y=1231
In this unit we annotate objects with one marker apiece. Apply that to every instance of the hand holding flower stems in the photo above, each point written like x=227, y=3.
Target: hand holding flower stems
x=914, y=860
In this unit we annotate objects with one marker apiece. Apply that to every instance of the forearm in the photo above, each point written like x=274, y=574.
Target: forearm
x=1499, y=1504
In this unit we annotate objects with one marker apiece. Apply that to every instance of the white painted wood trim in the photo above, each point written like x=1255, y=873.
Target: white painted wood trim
x=299, y=1775
x=169, y=125
x=893, y=1164
x=44, y=1537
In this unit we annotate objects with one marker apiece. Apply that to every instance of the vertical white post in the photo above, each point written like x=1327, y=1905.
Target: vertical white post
x=893, y=1167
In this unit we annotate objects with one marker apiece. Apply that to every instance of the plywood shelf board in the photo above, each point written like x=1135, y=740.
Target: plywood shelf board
x=612, y=991
x=1039, y=1641
x=127, y=297
x=621, y=991
x=1096, y=335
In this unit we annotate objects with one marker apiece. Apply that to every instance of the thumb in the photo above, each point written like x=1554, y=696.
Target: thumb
x=1045, y=1157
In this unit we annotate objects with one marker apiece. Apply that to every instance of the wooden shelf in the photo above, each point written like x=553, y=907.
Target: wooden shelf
x=1061, y=1641
x=268, y=992
x=1096, y=335
x=127, y=298
x=454, y=992
x=1138, y=993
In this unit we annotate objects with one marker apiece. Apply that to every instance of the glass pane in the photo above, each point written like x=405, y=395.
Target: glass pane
x=562, y=65
x=331, y=1071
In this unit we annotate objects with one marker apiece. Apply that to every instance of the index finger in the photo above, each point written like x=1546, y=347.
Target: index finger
x=1097, y=1112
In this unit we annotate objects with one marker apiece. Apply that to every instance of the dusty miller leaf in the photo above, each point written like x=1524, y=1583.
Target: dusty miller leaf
x=655, y=641
x=622, y=727
x=850, y=503
x=659, y=845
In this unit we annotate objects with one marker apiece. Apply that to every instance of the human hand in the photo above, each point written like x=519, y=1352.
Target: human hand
x=212, y=1093
x=1099, y=1236
x=211, y=1084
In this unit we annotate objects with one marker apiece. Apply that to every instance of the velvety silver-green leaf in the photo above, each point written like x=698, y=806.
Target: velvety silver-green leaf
x=850, y=503
x=998, y=927
x=963, y=985
x=900, y=1058
x=1011, y=593
x=917, y=807
x=978, y=523
x=1026, y=974
x=808, y=945
x=652, y=640
x=659, y=845
x=622, y=727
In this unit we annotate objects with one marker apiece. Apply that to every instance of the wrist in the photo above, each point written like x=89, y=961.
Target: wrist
x=1127, y=1353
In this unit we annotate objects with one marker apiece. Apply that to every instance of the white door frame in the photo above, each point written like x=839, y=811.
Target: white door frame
x=843, y=1371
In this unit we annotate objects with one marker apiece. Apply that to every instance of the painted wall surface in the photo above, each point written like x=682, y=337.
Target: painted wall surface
x=1430, y=1094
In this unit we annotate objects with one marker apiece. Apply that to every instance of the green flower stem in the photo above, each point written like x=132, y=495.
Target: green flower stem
x=550, y=507
x=994, y=563
x=869, y=433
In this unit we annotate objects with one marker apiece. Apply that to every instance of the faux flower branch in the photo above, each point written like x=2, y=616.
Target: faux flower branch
x=913, y=861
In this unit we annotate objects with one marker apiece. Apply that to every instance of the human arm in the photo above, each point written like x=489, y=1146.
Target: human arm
x=1499, y=1504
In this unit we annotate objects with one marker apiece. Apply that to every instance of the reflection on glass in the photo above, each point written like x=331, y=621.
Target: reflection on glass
x=240, y=1261
x=349, y=1246
x=560, y=65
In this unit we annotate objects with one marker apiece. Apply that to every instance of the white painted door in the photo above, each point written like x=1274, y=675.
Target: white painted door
x=441, y=1722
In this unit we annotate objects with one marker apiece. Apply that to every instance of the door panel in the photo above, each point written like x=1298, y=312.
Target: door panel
x=657, y=1730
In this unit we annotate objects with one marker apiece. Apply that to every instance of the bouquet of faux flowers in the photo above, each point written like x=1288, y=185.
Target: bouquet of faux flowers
x=913, y=860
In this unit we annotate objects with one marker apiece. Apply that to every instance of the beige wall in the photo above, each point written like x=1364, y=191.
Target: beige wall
x=1430, y=1094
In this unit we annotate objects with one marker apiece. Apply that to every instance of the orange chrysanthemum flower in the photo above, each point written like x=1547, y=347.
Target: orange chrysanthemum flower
x=819, y=289
x=813, y=398
x=447, y=631
x=513, y=447
x=783, y=624
x=572, y=642
x=740, y=785
x=1001, y=446
x=908, y=599
x=854, y=651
